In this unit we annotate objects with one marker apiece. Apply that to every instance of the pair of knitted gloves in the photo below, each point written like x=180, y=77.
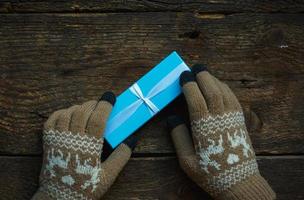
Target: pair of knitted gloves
x=219, y=157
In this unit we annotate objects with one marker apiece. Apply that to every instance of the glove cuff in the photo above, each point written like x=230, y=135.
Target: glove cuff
x=253, y=188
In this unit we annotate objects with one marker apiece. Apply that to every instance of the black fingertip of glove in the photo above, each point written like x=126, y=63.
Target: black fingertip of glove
x=197, y=68
x=131, y=142
x=186, y=77
x=109, y=97
x=174, y=121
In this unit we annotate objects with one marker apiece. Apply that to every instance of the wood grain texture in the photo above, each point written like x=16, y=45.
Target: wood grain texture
x=223, y=6
x=163, y=179
x=52, y=61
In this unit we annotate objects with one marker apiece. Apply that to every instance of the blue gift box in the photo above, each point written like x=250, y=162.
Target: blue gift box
x=144, y=99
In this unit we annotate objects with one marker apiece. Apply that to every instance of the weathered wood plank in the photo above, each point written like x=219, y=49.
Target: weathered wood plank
x=163, y=178
x=292, y=6
x=52, y=61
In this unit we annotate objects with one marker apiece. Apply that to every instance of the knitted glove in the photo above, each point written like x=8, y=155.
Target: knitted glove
x=72, y=143
x=219, y=157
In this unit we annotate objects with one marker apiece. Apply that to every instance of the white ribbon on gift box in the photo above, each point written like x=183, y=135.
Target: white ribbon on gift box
x=126, y=113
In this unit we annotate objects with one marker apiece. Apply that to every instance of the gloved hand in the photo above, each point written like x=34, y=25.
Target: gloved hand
x=72, y=145
x=219, y=157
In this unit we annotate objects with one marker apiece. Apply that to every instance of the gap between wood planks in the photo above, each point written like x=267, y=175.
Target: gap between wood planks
x=200, y=15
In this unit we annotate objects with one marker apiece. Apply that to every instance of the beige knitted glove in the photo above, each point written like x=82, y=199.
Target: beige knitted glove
x=219, y=157
x=72, y=143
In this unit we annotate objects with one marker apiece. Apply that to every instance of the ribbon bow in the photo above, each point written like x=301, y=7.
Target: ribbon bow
x=135, y=89
x=127, y=112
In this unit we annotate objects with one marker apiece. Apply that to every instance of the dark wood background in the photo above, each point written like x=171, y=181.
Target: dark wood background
x=54, y=54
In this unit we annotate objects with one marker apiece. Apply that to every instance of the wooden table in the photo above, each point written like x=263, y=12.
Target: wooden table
x=54, y=55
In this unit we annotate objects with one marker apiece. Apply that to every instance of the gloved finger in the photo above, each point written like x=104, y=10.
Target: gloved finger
x=64, y=119
x=181, y=137
x=196, y=103
x=191, y=166
x=40, y=196
x=120, y=156
x=98, y=119
x=80, y=117
x=51, y=122
x=113, y=165
x=209, y=89
x=227, y=101
x=235, y=104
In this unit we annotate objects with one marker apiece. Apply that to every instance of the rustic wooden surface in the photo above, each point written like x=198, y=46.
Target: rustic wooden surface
x=54, y=55
x=223, y=6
